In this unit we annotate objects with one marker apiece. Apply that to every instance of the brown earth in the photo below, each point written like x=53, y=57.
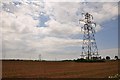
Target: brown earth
x=36, y=69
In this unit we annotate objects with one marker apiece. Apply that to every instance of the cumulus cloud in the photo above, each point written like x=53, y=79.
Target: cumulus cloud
x=22, y=34
x=70, y=12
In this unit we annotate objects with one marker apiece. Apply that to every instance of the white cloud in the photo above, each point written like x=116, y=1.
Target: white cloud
x=70, y=12
x=58, y=29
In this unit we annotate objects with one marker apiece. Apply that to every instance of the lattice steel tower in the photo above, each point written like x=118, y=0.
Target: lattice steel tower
x=89, y=46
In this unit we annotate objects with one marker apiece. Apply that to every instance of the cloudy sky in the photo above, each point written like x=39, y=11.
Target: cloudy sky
x=30, y=28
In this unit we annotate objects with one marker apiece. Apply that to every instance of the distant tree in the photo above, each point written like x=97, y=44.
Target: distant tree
x=116, y=57
x=103, y=58
x=107, y=57
x=100, y=57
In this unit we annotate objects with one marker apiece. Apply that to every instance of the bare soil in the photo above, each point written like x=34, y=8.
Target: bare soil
x=36, y=69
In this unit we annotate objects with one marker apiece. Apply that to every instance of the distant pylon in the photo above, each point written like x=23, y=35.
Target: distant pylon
x=39, y=57
x=89, y=46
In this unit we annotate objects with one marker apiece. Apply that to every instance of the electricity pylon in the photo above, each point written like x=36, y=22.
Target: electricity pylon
x=89, y=46
x=40, y=57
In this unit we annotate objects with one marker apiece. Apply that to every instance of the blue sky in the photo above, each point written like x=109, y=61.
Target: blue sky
x=52, y=29
x=108, y=37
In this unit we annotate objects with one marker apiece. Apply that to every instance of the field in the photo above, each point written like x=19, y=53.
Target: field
x=36, y=69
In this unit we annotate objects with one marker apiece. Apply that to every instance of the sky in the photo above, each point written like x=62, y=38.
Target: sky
x=31, y=27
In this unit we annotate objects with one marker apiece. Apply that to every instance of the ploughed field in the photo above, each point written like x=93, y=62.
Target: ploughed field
x=39, y=69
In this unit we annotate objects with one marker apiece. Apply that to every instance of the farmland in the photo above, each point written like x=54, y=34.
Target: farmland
x=52, y=69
